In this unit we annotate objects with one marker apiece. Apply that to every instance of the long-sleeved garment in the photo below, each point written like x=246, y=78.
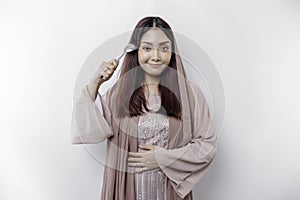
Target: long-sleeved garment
x=183, y=164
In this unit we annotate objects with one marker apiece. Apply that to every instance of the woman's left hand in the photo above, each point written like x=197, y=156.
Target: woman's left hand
x=143, y=161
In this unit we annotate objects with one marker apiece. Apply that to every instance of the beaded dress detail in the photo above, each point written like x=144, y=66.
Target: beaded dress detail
x=152, y=130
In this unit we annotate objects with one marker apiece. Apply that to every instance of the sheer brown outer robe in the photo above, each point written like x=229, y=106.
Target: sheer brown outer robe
x=192, y=143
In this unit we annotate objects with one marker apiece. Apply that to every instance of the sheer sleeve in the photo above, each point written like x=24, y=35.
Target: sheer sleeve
x=185, y=166
x=91, y=121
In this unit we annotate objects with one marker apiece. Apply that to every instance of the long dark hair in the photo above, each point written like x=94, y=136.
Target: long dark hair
x=130, y=99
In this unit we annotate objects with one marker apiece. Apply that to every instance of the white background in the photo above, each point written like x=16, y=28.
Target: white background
x=254, y=44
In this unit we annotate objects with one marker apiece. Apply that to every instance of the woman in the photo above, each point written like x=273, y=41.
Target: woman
x=160, y=137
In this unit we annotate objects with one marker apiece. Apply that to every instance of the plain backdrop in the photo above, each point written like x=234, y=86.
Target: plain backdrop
x=254, y=45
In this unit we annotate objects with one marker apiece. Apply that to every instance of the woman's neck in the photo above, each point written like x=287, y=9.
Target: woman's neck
x=151, y=84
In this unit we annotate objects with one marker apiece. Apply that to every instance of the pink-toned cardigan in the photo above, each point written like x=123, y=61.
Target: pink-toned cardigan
x=183, y=164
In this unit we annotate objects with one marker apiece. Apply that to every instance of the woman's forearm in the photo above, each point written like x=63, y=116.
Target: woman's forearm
x=104, y=73
x=93, y=88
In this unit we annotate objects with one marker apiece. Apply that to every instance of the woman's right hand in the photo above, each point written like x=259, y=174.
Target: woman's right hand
x=103, y=73
x=106, y=70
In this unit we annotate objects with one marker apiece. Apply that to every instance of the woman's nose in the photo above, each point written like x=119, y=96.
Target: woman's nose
x=155, y=55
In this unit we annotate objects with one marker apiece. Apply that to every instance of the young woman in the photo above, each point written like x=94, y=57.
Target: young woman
x=159, y=132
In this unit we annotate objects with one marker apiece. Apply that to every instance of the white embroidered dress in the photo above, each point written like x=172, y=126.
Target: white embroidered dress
x=152, y=130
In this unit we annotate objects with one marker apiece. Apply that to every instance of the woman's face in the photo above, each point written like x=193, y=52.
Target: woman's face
x=155, y=52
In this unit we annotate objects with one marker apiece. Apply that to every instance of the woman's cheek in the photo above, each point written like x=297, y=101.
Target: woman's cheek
x=143, y=57
x=167, y=58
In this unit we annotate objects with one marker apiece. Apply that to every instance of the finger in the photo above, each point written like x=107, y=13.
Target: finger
x=115, y=62
x=104, y=65
x=105, y=75
x=109, y=66
x=139, y=164
x=136, y=154
x=140, y=169
x=104, y=70
x=108, y=71
x=147, y=147
x=134, y=159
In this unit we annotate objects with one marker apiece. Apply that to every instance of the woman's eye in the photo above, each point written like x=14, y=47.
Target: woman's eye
x=146, y=48
x=164, y=49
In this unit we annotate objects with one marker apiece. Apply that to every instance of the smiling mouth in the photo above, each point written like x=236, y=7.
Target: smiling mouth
x=156, y=65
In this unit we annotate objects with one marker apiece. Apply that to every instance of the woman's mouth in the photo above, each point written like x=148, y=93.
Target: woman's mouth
x=156, y=65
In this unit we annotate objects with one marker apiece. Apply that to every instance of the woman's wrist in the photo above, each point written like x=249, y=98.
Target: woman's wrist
x=92, y=88
x=96, y=81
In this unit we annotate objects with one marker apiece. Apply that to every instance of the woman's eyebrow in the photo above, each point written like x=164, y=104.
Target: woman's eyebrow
x=159, y=43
